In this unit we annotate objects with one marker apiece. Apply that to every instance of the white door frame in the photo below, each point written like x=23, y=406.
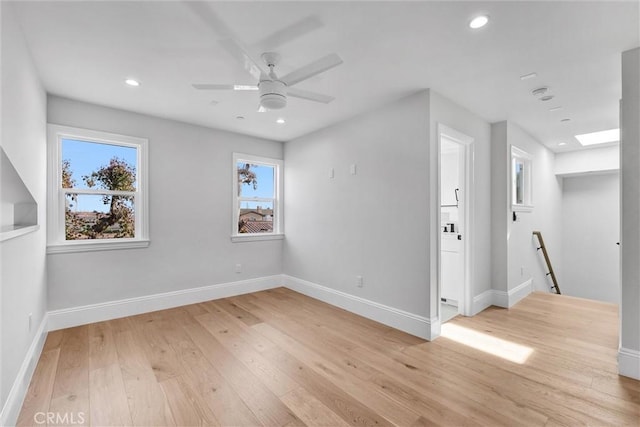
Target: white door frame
x=467, y=151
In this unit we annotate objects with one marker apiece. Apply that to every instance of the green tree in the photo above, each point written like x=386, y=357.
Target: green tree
x=118, y=175
x=73, y=224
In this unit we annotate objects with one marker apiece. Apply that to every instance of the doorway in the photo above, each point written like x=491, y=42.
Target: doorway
x=455, y=152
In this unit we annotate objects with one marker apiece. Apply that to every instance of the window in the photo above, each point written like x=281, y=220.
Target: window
x=97, y=191
x=521, y=180
x=257, y=198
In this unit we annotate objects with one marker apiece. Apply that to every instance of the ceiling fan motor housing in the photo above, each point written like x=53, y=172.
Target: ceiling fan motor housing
x=273, y=94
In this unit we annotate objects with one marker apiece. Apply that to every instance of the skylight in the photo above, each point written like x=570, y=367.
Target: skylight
x=602, y=137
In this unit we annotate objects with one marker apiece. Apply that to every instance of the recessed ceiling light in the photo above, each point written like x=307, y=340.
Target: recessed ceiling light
x=562, y=143
x=479, y=21
x=546, y=98
x=555, y=108
x=602, y=137
x=565, y=120
x=528, y=76
x=280, y=121
x=240, y=117
x=132, y=82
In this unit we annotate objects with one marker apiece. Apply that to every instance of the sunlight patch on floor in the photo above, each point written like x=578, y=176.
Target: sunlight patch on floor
x=489, y=344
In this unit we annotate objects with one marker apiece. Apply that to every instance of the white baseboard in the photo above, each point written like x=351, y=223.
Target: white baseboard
x=629, y=363
x=482, y=302
x=13, y=404
x=408, y=322
x=519, y=292
x=76, y=316
x=501, y=298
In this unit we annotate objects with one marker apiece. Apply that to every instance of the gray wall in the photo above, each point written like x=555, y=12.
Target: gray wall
x=522, y=261
x=190, y=214
x=380, y=222
x=375, y=223
x=590, y=230
x=23, y=285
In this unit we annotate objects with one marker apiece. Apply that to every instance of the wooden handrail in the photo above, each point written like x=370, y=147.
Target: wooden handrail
x=548, y=261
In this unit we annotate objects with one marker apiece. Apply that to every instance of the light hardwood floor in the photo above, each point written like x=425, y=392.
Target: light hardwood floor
x=278, y=358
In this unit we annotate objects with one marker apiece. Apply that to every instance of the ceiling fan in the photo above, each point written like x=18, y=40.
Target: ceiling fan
x=273, y=90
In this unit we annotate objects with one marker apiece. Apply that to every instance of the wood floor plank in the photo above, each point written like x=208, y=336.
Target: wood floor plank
x=70, y=393
x=39, y=393
x=109, y=406
x=102, y=350
x=205, y=380
x=187, y=407
x=262, y=402
x=147, y=402
x=311, y=410
x=279, y=358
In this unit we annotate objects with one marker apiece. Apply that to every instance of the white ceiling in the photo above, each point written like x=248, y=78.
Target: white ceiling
x=85, y=50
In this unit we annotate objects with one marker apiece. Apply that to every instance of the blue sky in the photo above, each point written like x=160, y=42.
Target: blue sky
x=264, y=176
x=86, y=157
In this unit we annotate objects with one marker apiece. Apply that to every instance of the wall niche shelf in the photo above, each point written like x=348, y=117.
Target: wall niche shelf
x=18, y=208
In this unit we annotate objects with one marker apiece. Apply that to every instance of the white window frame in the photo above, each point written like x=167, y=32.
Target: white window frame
x=56, y=242
x=519, y=155
x=278, y=223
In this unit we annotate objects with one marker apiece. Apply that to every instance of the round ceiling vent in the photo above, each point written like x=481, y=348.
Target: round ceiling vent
x=546, y=98
x=540, y=91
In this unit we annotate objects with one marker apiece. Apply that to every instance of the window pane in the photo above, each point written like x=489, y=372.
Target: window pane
x=255, y=180
x=255, y=217
x=519, y=182
x=99, y=217
x=100, y=166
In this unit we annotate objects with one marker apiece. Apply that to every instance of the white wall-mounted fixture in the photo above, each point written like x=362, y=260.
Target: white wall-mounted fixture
x=602, y=137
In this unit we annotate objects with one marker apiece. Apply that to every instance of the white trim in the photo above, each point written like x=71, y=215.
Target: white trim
x=408, y=322
x=277, y=200
x=501, y=298
x=100, y=245
x=629, y=363
x=256, y=237
x=55, y=192
x=17, y=231
x=467, y=210
x=18, y=392
x=519, y=292
x=483, y=301
x=76, y=316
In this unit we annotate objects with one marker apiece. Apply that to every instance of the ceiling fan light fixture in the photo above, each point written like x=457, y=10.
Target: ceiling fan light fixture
x=273, y=94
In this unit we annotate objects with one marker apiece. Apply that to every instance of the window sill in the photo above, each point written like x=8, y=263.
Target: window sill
x=522, y=208
x=256, y=237
x=72, y=247
x=11, y=232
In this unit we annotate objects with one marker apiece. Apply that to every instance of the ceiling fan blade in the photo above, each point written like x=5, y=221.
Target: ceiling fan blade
x=206, y=86
x=310, y=70
x=310, y=96
x=289, y=33
x=242, y=56
x=206, y=14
